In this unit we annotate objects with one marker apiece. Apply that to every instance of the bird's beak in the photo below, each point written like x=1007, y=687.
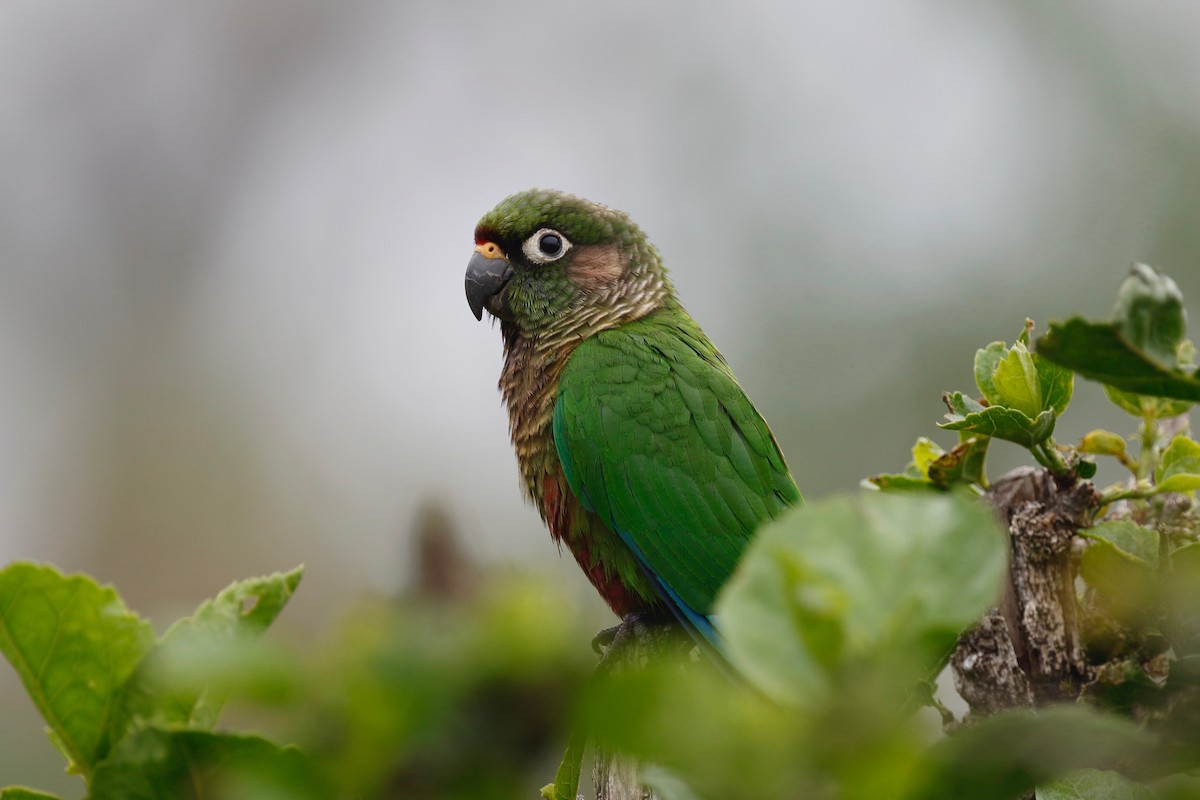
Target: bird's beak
x=487, y=273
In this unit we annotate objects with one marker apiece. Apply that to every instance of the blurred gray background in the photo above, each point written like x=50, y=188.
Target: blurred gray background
x=233, y=336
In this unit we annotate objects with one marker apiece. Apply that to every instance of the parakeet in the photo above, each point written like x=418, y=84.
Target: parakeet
x=635, y=442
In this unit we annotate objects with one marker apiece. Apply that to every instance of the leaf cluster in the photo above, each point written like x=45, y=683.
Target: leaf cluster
x=100, y=679
x=401, y=697
x=1136, y=593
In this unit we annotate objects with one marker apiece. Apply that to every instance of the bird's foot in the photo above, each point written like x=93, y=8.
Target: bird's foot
x=635, y=627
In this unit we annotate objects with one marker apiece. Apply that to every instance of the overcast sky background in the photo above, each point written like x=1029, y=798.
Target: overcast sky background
x=233, y=336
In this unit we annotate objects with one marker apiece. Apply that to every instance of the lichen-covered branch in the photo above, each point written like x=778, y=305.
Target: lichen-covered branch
x=986, y=672
x=1029, y=650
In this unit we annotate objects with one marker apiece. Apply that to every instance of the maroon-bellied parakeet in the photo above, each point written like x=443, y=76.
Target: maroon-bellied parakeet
x=635, y=442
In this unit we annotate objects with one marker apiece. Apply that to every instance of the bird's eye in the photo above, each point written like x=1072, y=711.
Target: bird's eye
x=549, y=244
x=545, y=246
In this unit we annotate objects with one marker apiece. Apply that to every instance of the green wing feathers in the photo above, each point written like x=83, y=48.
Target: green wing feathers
x=658, y=439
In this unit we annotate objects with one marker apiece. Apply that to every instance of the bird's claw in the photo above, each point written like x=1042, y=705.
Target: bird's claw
x=604, y=639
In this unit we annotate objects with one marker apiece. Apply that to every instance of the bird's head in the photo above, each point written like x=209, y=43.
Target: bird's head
x=544, y=260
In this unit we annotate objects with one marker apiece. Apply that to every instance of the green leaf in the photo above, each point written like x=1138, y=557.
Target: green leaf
x=1188, y=558
x=1139, y=352
x=74, y=645
x=925, y=452
x=1057, y=384
x=915, y=475
x=1185, y=354
x=1149, y=313
x=934, y=468
x=987, y=359
x=1128, y=401
x=1101, y=352
x=1179, y=467
x=727, y=740
x=1125, y=582
x=666, y=784
x=21, y=793
x=1004, y=423
x=855, y=578
x=157, y=764
x=962, y=405
x=1016, y=382
x=963, y=464
x=1015, y=378
x=1181, y=456
x=1183, y=606
x=251, y=604
x=1178, y=483
x=1005, y=755
x=899, y=482
x=1144, y=405
x=172, y=684
x=1185, y=577
x=1026, y=332
x=1103, y=443
x=1093, y=784
x=1177, y=787
x=1128, y=537
x=566, y=780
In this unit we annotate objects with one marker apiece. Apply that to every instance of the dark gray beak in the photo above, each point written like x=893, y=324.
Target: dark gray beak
x=486, y=277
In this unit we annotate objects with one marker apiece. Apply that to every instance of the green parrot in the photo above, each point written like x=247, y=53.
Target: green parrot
x=640, y=450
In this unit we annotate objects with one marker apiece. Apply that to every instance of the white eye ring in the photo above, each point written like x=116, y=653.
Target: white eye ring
x=539, y=248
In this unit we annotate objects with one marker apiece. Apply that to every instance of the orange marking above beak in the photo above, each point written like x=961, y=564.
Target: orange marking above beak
x=489, y=250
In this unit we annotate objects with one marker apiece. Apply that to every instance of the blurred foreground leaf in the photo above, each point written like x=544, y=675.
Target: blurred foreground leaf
x=854, y=578
x=666, y=785
x=405, y=694
x=1008, y=754
x=1183, y=589
x=1125, y=583
x=723, y=739
x=172, y=685
x=1094, y=784
x=22, y=793
x=156, y=764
